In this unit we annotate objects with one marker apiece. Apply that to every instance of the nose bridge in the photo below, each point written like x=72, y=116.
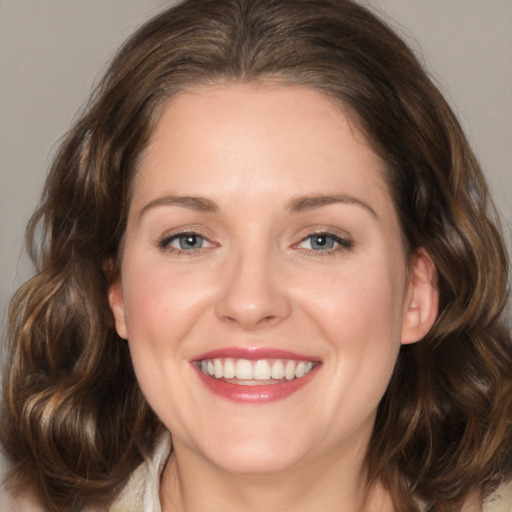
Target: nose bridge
x=253, y=293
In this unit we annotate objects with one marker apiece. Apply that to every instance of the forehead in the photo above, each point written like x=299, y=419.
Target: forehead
x=247, y=136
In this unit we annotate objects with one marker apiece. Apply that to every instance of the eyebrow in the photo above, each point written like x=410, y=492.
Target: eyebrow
x=304, y=203
x=199, y=204
x=294, y=205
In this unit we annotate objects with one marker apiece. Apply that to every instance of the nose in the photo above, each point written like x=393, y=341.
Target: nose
x=254, y=295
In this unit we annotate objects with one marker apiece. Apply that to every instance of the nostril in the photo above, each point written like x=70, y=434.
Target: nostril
x=268, y=319
x=251, y=323
x=252, y=296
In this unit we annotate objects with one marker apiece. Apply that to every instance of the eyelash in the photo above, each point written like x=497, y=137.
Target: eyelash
x=342, y=244
x=165, y=244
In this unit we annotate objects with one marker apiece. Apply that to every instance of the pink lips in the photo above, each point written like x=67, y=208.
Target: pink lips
x=264, y=393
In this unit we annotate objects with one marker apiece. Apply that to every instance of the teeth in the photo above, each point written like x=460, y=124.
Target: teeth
x=261, y=370
x=289, y=370
x=229, y=369
x=277, y=371
x=243, y=369
x=300, y=370
x=219, y=370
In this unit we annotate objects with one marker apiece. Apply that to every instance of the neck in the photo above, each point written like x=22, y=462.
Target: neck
x=192, y=484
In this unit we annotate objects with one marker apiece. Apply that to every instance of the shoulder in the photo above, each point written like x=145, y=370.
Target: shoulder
x=500, y=500
x=142, y=492
x=25, y=501
x=17, y=500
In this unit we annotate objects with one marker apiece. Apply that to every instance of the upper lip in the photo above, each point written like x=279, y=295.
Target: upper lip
x=254, y=353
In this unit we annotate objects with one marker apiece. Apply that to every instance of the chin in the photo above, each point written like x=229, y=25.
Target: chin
x=254, y=462
x=255, y=456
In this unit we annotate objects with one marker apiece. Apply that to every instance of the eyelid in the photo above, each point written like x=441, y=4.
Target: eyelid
x=164, y=241
x=185, y=229
x=344, y=241
x=177, y=236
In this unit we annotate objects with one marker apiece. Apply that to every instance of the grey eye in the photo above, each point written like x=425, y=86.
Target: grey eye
x=322, y=242
x=325, y=242
x=184, y=242
x=188, y=241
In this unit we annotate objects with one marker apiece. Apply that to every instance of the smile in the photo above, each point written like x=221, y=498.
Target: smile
x=255, y=375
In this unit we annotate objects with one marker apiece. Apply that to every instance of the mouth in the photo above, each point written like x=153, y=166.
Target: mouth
x=246, y=372
x=255, y=375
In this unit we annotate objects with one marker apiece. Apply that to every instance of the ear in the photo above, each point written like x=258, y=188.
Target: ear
x=116, y=302
x=422, y=298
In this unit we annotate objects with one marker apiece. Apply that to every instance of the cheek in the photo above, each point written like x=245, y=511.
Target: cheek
x=162, y=310
x=357, y=299
x=163, y=306
x=359, y=312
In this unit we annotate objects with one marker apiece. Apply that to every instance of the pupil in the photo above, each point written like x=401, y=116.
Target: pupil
x=322, y=242
x=190, y=242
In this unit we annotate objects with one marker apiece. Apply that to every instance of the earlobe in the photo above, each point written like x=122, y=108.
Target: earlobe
x=116, y=302
x=422, y=299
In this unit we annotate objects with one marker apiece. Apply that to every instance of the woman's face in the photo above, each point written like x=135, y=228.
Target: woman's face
x=263, y=246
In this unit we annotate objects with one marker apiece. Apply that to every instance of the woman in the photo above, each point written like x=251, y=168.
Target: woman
x=268, y=237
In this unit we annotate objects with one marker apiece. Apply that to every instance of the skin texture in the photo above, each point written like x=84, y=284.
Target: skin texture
x=257, y=281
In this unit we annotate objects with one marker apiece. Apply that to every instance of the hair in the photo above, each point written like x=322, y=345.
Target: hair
x=74, y=421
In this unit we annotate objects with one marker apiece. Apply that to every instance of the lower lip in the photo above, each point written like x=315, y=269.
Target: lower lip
x=263, y=394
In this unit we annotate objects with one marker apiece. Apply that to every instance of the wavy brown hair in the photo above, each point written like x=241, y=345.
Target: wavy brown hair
x=74, y=422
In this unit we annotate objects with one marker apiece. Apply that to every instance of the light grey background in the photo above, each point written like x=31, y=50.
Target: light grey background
x=52, y=51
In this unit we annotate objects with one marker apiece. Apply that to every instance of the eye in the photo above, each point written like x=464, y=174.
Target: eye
x=185, y=242
x=324, y=242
